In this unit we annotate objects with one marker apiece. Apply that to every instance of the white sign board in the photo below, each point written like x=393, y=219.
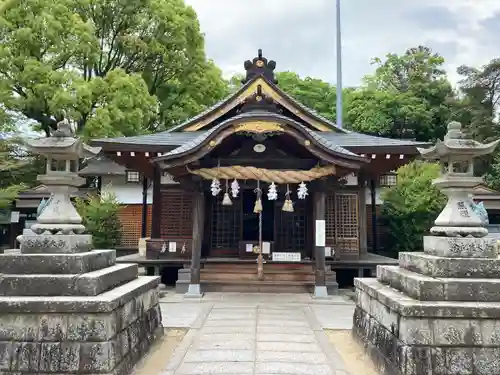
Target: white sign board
x=172, y=247
x=328, y=251
x=266, y=247
x=248, y=247
x=320, y=233
x=286, y=257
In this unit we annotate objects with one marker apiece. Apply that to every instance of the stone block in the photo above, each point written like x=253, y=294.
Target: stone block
x=416, y=331
x=461, y=247
x=50, y=357
x=426, y=288
x=97, y=357
x=431, y=265
x=486, y=361
x=17, y=327
x=88, y=284
x=56, y=243
x=25, y=357
x=77, y=263
x=456, y=332
x=52, y=327
x=452, y=361
x=92, y=327
x=104, y=302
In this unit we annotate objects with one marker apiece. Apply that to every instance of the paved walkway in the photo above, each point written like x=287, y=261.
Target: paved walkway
x=235, y=334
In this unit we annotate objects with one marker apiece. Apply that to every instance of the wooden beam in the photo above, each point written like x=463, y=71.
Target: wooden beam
x=319, y=197
x=363, y=240
x=157, y=203
x=198, y=226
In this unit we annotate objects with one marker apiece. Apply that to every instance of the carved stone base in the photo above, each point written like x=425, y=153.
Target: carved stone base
x=459, y=231
x=461, y=247
x=56, y=243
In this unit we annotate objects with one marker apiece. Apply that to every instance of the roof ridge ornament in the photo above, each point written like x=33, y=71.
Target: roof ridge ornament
x=260, y=66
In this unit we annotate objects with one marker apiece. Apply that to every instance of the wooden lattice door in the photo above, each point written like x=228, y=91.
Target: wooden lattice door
x=342, y=222
x=177, y=214
x=291, y=227
x=225, y=227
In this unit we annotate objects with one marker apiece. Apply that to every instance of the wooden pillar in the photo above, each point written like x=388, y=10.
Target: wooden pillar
x=319, y=197
x=363, y=235
x=157, y=202
x=373, y=194
x=99, y=185
x=144, y=207
x=198, y=226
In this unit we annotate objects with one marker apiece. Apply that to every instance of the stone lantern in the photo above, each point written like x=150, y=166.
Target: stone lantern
x=438, y=311
x=59, y=217
x=456, y=155
x=66, y=308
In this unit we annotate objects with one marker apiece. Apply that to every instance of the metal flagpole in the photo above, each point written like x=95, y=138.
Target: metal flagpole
x=339, y=69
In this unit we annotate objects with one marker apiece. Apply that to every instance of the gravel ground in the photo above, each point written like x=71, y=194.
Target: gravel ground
x=354, y=356
x=160, y=353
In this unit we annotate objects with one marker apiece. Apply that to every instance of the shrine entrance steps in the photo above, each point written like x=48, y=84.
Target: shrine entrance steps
x=242, y=277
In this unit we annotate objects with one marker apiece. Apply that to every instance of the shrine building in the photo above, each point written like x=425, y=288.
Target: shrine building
x=258, y=173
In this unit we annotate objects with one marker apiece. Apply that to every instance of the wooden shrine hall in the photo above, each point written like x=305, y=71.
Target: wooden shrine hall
x=252, y=194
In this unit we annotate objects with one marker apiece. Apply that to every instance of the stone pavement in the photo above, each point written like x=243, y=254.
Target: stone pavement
x=234, y=333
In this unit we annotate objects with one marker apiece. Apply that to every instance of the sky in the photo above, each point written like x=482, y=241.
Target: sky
x=300, y=34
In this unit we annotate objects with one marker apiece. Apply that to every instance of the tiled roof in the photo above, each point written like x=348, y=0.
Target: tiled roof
x=102, y=166
x=350, y=139
x=317, y=136
x=353, y=139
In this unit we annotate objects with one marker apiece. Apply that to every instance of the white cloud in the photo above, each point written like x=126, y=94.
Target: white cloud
x=300, y=34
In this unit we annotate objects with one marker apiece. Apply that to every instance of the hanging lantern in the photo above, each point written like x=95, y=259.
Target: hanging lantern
x=288, y=205
x=226, y=201
x=258, y=201
x=272, y=192
x=302, y=191
x=215, y=187
x=235, y=188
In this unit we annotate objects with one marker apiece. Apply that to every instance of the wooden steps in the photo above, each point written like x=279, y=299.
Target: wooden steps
x=278, y=278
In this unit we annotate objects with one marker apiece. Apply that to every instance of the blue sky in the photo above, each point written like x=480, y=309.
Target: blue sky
x=300, y=34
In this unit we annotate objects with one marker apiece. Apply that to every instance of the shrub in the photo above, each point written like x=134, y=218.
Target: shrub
x=100, y=217
x=411, y=206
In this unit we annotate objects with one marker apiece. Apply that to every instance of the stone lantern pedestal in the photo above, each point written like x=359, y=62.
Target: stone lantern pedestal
x=438, y=312
x=65, y=308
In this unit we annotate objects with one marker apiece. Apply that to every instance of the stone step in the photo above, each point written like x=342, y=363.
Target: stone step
x=434, y=266
x=57, y=264
x=270, y=276
x=87, y=284
x=255, y=286
x=426, y=288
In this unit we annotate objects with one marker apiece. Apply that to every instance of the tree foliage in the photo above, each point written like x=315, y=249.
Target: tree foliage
x=100, y=214
x=480, y=88
x=411, y=206
x=408, y=96
x=112, y=65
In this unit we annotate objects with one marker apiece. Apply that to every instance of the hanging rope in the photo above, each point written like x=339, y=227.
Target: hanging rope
x=261, y=174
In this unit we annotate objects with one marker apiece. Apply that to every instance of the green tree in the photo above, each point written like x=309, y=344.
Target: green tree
x=480, y=88
x=104, y=62
x=408, y=96
x=411, y=206
x=100, y=214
